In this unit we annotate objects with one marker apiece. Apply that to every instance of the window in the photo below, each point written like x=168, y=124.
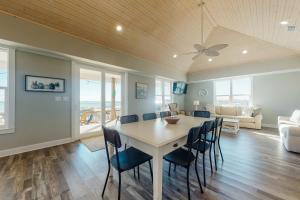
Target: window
x=7, y=102
x=163, y=94
x=236, y=91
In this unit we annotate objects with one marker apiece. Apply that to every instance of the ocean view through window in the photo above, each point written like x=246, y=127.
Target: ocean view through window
x=6, y=90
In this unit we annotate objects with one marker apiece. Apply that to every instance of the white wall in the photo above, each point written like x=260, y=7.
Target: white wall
x=277, y=94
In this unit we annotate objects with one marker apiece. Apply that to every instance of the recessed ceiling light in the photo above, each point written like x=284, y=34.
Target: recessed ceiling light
x=244, y=51
x=210, y=60
x=119, y=28
x=284, y=22
x=175, y=56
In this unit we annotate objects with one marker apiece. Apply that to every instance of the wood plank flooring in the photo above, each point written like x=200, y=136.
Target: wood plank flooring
x=256, y=167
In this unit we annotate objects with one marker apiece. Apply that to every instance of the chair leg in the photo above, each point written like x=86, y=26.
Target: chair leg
x=216, y=165
x=188, y=181
x=196, y=169
x=138, y=171
x=204, y=177
x=174, y=167
x=119, y=191
x=169, y=169
x=106, y=181
x=211, y=167
x=220, y=151
x=134, y=172
x=151, y=172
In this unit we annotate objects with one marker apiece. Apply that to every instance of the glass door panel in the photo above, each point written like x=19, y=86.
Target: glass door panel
x=90, y=101
x=112, y=97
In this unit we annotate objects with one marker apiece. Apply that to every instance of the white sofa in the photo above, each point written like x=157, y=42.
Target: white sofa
x=289, y=129
x=249, y=117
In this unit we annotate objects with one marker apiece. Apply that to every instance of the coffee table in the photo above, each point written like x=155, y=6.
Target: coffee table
x=231, y=125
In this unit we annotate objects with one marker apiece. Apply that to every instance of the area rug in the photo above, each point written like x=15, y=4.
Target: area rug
x=94, y=143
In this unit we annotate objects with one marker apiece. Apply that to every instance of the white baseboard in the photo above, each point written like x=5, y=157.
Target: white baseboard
x=18, y=150
x=270, y=125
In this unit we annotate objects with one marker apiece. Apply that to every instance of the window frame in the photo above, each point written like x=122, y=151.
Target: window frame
x=9, y=108
x=163, y=95
x=231, y=95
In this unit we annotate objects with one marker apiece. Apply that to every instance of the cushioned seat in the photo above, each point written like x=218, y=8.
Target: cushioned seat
x=289, y=130
x=180, y=157
x=246, y=119
x=130, y=158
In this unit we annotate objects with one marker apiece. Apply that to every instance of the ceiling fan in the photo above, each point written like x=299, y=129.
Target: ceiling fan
x=200, y=49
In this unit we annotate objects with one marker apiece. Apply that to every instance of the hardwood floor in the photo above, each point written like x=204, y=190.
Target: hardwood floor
x=256, y=167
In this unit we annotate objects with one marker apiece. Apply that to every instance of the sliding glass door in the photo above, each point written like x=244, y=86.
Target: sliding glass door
x=100, y=94
x=90, y=101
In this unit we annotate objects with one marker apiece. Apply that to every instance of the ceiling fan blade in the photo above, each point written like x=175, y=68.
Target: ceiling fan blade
x=218, y=47
x=189, y=53
x=196, y=56
x=211, y=53
x=199, y=47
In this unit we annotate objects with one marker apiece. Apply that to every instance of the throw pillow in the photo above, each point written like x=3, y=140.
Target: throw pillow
x=247, y=111
x=295, y=116
x=256, y=111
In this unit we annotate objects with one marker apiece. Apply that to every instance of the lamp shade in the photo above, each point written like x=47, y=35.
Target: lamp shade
x=196, y=103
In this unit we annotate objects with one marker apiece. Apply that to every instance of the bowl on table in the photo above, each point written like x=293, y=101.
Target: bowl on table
x=172, y=120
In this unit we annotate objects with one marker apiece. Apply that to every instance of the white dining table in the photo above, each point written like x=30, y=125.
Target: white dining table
x=158, y=138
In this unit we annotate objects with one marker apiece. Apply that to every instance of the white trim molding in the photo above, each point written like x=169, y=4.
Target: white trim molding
x=33, y=147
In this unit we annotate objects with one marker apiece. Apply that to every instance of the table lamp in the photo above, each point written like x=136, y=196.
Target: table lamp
x=196, y=103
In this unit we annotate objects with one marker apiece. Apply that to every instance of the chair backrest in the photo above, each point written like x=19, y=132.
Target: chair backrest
x=129, y=119
x=193, y=136
x=149, y=116
x=112, y=136
x=204, y=114
x=165, y=114
x=207, y=127
x=218, y=127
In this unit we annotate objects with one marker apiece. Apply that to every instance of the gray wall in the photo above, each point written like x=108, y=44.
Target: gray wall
x=193, y=94
x=277, y=94
x=140, y=106
x=39, y=118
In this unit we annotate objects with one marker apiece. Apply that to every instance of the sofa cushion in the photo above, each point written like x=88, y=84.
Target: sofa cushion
x=239, y=111
x=295, y=116
x=246, y=119
x=247, y=111
x=218, y=110
x=228, y=110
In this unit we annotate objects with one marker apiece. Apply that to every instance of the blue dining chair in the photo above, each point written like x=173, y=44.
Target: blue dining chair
x=124, y=160
x=204, y=114
x=185, y=157
x=149, y=116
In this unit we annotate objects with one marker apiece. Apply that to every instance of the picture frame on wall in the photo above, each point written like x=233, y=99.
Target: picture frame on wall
x=44, y=84
x=141, y=90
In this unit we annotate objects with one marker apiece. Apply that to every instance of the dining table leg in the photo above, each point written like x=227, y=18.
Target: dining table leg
x=157, y=175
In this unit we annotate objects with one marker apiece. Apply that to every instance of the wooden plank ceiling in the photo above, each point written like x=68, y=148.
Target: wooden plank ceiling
x=155, y=30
